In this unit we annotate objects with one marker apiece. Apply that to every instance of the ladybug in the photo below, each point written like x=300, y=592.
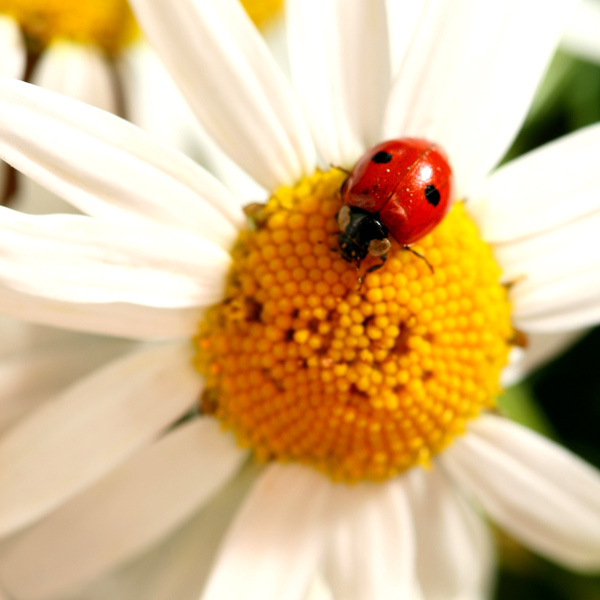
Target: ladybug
x=400, y=188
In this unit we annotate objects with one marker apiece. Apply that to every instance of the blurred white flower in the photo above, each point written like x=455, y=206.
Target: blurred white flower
x=91, y=51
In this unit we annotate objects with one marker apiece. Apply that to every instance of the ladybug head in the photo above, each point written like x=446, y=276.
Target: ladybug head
x=351, y=251
x=362, y=234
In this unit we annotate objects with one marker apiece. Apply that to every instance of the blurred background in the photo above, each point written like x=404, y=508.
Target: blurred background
x=562, y=399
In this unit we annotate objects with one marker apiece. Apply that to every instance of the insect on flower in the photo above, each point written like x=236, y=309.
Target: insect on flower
x=401, y=188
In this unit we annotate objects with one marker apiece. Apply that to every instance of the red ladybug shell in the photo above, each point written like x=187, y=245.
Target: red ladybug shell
x=407, y=181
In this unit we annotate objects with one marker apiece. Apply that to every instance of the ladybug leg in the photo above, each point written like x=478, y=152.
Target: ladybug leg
x=372, y=268
x=378, y=248
x=421, y=256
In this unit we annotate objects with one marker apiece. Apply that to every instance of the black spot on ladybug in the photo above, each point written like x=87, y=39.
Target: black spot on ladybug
x=381, y=157
x=432, y=195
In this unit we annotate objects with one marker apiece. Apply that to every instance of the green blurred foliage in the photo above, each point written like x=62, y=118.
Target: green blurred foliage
x=519, y=404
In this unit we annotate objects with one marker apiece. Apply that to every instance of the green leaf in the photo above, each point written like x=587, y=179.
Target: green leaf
x=518, y=403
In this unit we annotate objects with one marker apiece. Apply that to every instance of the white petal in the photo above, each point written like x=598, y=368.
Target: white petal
x=12, y=332
x=13, y=56
x=153, y=102
x=454, y=546
x=202, y=148
x=581, y=33
x=79, y=259
x=126, y=512
x=234, y=177
x=319, y=590
x=543, y=213
x=542, y=190
x=271, y=550
x=563, y=317
x=32, y=198
x=539, y=492
x=403, y=18
x=151, y=99
x=553, y=270
x=29, y=379
x=550, y=256
x=469, y=76
x=232, y=83
x=177, y=568
x=12, y=49
x=22, y=338
x=562, y=294
x=341, y=67
x=90, y=428
x=275, y=36
x=107, y=167
x=541, y=348
x=79, y=71
x=119, y=319
x=372, y=554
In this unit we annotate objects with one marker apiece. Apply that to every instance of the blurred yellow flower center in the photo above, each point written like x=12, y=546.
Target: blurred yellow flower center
x=263, y=11
x=303, y=364
x=105, y=23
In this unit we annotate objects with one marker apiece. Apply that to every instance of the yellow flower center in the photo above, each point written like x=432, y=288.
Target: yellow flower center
x=105, y=23
x=262, y=11
x=362, y=382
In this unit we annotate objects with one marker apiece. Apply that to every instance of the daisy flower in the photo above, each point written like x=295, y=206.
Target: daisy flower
x=370, y=408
